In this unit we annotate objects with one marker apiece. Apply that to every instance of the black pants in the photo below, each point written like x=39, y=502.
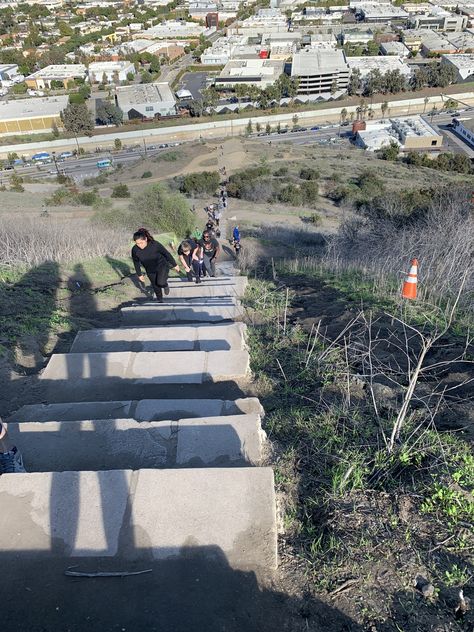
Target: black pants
x=159, y=280
x=195, y=268
x=210, y=266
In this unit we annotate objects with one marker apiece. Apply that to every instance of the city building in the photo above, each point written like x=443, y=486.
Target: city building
x=464, y=42
x=465, y=129
x=111, y=71
x=438, y=19
x=320, y=71
x=410, y=133
x=381, y=63
x=256, y=72
x=394, y=48
x=381, y=12
x=463, y=64
x=8, y=72
x=175, y=28
x=55, y=75
x=24, y=116
x=146, y=101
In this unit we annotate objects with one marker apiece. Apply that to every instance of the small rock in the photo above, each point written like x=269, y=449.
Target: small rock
x=385, y=396
x=427, y=590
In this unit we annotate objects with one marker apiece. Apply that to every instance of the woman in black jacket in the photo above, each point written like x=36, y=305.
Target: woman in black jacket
x=156, y=260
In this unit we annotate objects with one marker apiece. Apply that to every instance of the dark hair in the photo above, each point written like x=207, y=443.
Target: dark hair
x=142, y=233
x=206, y=232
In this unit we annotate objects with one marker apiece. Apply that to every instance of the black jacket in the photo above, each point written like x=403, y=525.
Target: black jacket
x=153, y=258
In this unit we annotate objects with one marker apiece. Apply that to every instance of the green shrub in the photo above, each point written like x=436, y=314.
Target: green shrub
x=309, y=192
x=197, y=183
x=169, y=156
x=290, y=194
x=157, y=208
x=100, y=179
x=240, y=182
x=147, y=174
x=309, y=174
x=87, y=198
x=281, y=171
x=120, y=191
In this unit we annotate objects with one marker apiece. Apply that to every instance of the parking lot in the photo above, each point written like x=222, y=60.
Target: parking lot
x=195, y=82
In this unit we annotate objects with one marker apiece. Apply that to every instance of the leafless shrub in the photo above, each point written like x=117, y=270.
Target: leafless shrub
x=35, y=240
x=298, y=238
x=382, y=244
x=248, y=257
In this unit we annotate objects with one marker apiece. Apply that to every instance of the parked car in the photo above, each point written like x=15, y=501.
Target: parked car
x=315, y=128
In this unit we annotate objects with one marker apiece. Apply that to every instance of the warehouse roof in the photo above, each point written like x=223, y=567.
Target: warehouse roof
x=32, y=108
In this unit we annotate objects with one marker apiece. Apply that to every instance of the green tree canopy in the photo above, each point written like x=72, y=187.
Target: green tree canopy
x=77, y=119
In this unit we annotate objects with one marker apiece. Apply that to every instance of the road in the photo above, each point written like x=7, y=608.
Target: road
x=84, y=167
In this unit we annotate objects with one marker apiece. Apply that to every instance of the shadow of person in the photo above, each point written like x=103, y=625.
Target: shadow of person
x=124, y=271
x=27, y=310
x=192, y=589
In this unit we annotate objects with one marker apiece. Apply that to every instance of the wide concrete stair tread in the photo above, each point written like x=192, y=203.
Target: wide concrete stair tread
x=218, y=337
x=185, y=367
x=145, y=514
x=183, y=311
x=114, y=444
x=139, y=410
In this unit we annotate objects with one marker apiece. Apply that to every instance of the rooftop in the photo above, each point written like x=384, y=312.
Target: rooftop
x=382, y=10
x=246, y=67
x=465, y=60
x=112, y=66
x=382, y=63
x=311, y=61
x=145, y=93
x=60, y=71
x=32, y=108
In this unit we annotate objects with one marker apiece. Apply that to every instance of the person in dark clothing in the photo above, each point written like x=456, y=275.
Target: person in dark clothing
x=189, y=254
x=156, y=260
x=211, y=249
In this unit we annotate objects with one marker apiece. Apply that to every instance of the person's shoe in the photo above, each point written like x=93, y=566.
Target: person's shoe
x=159, y=299
x=198, y=279
x=11, y=462
x=166, y=290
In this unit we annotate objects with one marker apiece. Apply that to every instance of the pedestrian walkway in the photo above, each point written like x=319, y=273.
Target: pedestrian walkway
x=122, y=470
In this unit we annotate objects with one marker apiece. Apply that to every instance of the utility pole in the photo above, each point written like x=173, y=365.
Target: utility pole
x=55, y=162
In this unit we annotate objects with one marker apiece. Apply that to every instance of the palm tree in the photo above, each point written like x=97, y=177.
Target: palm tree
x=426, y=100
x=343, y=115
x=384, y=108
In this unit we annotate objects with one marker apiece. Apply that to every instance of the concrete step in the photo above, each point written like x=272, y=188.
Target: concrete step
x=172, y=311
x=114, y=444
x=143, y=410
x=128, y=375
x=218, y=337
x=185, y=367
x=218, y=286
x=146, y=514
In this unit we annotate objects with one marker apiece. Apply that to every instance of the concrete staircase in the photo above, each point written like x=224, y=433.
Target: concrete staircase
x=142, y=450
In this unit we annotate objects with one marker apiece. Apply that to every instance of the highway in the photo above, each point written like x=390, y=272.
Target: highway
x=83, y=167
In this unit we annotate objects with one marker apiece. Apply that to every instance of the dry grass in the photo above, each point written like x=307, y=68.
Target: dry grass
x=40, y=239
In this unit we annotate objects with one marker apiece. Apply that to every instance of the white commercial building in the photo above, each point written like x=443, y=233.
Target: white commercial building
x=381, y=63
x=146, y=101
x=63, y=73
x=463, y=64
x=409, y=133
x=257, y=72
x=465, y=129
x=320, y=71
x=381, y=12
x=8, y=72
x=175, y=28
x=394, y=48
x=111, y=71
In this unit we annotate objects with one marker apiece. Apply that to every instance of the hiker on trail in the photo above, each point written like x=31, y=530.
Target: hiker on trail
x=211, y=249
x=196, y=234
x=217, y=215
x=11, y=461
x=190, y=255
x=236, y=234
x=209, y=228
x=156, y=260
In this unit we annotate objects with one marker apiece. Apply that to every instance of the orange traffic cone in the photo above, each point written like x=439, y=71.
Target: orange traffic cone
x=409, y=286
